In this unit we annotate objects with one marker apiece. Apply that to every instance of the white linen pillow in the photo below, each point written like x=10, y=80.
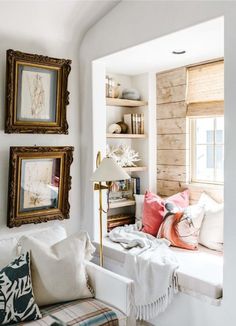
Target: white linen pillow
x=7, y=251
x=58, y=272
x=139, y=200
x=196, y=212
x=10, y=245
x=211, y=233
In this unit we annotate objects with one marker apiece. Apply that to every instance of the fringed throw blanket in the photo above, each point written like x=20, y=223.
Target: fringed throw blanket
x=152, y=266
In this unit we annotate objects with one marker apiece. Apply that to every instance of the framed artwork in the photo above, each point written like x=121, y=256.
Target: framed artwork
x=39, y=184
x=36, y=93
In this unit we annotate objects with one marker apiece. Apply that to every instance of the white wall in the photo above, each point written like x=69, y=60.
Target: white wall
x=21, y=29
x=131, y=23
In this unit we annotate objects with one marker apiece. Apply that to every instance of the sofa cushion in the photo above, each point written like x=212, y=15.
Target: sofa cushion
x=58, y=271
x=81, y=313
x=16, y=295
x=9, y=241
x=8, y=250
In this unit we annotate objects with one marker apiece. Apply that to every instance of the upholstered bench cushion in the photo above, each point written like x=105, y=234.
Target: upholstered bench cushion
x=200, y=272
x=81, y=313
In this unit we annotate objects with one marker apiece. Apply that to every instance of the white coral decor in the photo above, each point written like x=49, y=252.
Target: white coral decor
x=123, y=155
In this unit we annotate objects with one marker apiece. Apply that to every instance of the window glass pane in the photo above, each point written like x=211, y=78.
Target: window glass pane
x=210, y=157
x=210, y=136
x=219, y=130
x=204, y=162
x=208, y=149
x=204, y=131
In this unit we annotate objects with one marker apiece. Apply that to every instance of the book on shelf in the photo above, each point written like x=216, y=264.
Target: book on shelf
x=128, y=121
x=135, y=123
x=136, y=185
x=119, y=220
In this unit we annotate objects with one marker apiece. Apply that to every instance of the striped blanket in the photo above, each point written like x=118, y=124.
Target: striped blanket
x=87, y=312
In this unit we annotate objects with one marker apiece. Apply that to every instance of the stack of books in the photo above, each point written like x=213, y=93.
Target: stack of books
x=119, y=220
x=135, y=123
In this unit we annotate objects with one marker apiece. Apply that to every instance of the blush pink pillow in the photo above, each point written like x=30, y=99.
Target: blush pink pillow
x=154, y=208
x=181, y=199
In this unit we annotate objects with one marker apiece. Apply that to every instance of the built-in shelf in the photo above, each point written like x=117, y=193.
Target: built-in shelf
x=123, y=203
x=132, y=136
x=135, y=169
x=123, y=102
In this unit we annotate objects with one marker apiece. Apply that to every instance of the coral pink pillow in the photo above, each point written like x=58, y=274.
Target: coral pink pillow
x=153, y=212
x=154, y=208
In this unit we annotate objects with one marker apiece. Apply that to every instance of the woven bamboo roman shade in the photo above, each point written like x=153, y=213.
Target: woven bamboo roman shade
x=205, y=90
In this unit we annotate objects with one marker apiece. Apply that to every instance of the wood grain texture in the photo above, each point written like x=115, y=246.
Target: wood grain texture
x=169, y=188
x=171, y=126
x=138, y=136
x=172, y=157
x=171, y=110
x=124, y=102
x=174, y=141
x=171, y=172
x=171, y=94
x=172, y=78
x=206, y=109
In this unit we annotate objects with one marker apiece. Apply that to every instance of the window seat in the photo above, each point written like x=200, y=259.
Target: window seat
x=200, y=273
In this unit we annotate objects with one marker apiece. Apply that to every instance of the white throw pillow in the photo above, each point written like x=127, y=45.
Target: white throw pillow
x=7, y=251
x=10, y=245
x=211, y=234
x=58, y=272
x=139, y=200
x=196, y=213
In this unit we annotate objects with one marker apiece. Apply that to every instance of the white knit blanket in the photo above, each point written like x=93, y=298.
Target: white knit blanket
x=152, y=266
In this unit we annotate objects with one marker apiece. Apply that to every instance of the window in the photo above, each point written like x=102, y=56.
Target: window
x=207, y=150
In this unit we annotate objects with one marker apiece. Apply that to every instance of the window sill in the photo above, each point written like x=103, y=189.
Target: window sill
x=203, y=283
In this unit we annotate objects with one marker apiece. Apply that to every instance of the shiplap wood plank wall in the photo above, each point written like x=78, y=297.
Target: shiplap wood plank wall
x=173, y=135
x=172, y=132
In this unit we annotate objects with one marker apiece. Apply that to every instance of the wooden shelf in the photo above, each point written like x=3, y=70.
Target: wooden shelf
x=135, y=169
x=124, y=203
x=122, y=102
x=132, y=136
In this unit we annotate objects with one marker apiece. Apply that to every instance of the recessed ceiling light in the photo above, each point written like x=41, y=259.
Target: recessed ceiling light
x=179, y=52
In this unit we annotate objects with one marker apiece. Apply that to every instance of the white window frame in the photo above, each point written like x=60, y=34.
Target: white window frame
x=192, y=134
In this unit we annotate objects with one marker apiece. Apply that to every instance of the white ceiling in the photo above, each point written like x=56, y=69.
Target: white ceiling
x=56, y=20
x=201, y=42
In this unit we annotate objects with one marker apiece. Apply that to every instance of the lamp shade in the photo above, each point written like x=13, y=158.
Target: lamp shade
x=109, y=170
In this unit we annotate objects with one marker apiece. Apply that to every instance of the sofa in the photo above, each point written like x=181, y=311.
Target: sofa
x=113, y=293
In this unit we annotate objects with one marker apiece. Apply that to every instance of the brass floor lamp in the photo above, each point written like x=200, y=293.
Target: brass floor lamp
x=107, y=171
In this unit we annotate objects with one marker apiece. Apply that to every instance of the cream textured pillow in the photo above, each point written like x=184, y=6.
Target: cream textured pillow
x=58, y=272
x=211, y=234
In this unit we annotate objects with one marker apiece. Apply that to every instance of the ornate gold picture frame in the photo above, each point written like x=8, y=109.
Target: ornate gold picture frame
x=39, y=184
x=36, y=93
